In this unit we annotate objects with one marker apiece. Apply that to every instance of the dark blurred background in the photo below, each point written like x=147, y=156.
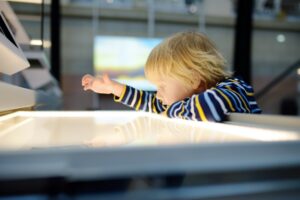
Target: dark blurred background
x=260, y=40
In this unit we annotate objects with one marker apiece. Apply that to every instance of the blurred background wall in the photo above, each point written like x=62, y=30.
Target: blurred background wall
x=275, y=39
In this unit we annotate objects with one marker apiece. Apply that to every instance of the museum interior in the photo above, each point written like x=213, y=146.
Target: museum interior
x=60, y=141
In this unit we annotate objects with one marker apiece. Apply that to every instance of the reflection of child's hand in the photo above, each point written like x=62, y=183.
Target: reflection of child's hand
x=101, y=84
x=110, y=140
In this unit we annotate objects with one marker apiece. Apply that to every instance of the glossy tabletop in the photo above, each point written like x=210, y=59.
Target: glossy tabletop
x=37, y=129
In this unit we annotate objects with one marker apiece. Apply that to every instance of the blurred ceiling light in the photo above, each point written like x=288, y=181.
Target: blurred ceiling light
x=193, y=9
x=298, y=71
x=109, y=1
x=31, y=1
x=280, y=38
x=34, y=42
x=28, y=1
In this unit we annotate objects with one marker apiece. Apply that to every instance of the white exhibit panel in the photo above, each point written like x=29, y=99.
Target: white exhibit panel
x=135, y=155
x=12, y=61
x=14, y=97
x=14, y=23
x=29, y=130
x=12, y=57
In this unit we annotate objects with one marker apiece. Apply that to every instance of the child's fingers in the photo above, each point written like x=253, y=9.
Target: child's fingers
x=83, y=81
x=89, y=85
x=86, y=87
x=86, y=78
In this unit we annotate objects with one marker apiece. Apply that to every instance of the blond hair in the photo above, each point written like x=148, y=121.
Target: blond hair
x=189, y=57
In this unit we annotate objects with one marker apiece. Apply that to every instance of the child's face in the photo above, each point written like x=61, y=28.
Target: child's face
x=171, y=90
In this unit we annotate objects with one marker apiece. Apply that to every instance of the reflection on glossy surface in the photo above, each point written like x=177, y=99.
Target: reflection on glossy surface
x=27, y=130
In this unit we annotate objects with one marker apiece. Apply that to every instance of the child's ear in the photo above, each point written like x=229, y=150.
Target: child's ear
x=199, y=86
x=198, y=82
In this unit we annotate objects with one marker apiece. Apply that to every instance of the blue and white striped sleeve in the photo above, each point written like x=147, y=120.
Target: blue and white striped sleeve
x=215, y=104
x=207, y=106
x=141, y=100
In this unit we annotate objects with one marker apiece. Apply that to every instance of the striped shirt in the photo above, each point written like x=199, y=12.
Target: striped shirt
x=214, y=104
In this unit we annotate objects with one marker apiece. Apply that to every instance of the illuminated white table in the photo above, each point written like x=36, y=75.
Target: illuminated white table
x=84, y=147
x=28, y=130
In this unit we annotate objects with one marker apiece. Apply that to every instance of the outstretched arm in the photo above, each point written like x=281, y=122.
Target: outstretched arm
x=129, y=96
x=141, y=100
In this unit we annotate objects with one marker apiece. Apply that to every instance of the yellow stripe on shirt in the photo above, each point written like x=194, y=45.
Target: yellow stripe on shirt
x=248, y=93
x=247, y=108
x=118, y=99
x=200, y=110
x=153, y=105
x=140, y=100
x=225, y=97
x=180, y=114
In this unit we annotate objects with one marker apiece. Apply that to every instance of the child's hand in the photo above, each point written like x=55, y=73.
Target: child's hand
x=101, y=84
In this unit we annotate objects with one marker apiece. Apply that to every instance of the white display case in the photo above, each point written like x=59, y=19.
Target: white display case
x=95, y=152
